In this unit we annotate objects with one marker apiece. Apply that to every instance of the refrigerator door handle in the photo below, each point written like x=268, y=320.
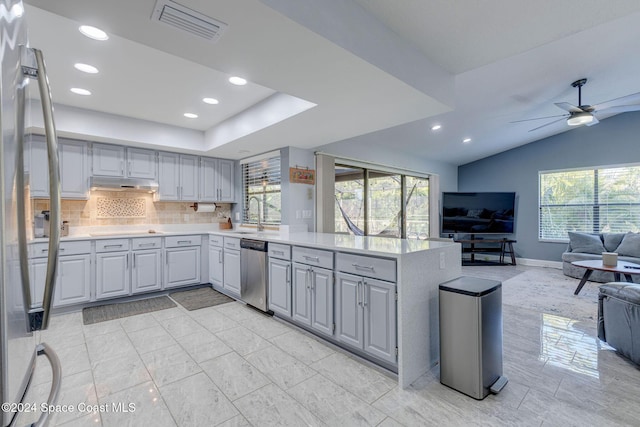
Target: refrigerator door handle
x=39, y=319
x=20, y=199
x=44, y=349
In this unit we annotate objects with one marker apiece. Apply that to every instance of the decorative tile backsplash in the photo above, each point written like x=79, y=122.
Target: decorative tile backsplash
x=86, y=212
x=108, y=207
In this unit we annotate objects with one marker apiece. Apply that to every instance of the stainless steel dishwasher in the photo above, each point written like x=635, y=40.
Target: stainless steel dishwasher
x=253, y=277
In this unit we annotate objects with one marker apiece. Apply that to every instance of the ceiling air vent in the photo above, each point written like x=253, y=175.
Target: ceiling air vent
x=185, y=19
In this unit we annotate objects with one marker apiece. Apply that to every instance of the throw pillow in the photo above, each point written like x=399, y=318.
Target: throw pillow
x=630, y=245
x=612, y=240
x=585, y=243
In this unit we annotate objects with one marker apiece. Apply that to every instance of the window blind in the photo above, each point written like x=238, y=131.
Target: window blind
x=594, y=200
x=261, y=179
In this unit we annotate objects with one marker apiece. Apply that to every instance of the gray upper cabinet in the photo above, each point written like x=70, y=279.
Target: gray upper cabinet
x=168, y=176
x=208, y=190
x=74, y=168
x=189, y=178
x=225, y=181
x=178, y=177
x=142, y=163
x=216, y=180
x=108, y=160
x=115, y=160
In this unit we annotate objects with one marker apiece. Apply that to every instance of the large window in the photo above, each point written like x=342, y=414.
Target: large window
x=261, y=191
x=589, y=200
x=377, y=203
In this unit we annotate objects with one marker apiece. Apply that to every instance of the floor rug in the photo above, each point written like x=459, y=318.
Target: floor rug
x=103, y=313
x=200, y=298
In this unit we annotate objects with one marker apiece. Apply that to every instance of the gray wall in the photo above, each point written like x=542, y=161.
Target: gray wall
x=613, y=141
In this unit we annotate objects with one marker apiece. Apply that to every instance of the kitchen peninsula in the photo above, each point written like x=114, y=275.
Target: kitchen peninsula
x=412, y=270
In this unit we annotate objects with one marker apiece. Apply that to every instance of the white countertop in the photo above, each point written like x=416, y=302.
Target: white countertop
x=383, y=246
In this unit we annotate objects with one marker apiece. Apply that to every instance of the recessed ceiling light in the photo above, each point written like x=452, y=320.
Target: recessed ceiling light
x=80, y=91
x=93, y=32
x=436, y=127
x=211, y=101
x=86, y=68
x=466, y=140
x=190, y=116
x=238, y=81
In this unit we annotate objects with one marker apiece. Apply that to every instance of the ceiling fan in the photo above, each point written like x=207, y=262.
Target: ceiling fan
x=586, y=114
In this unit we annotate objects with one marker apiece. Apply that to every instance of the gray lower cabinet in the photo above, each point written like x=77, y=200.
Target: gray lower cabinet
x=366, y=315
x=232, y=270
x=313, y=297
x=216, y=265
x=182, y=266
x=73, y=278
x=146, y=271
x=113, y=277
x=280, y=286
x=182, y=260
x=73, y=285
x=112, y=274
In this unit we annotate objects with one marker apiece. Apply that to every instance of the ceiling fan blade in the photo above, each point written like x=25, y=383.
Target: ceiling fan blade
x=547, y=124
x=595, y=121
x=569, y=107
x=540, y=118
x=619, y=109
x=632, y=99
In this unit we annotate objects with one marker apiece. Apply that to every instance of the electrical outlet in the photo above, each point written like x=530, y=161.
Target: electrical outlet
x=237, y=216
x=309, y=194
x=442, y=264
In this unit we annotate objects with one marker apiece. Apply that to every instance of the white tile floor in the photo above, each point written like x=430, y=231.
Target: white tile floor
x=229, y=365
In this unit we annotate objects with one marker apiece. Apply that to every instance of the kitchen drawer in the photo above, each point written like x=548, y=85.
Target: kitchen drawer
x=279, y=251
x=315, y=257
x=40, y=250
x=377, y=268
x=178, y=241
x=215, y=240
x=232, y=243
x=112, y=245
x=146, y=243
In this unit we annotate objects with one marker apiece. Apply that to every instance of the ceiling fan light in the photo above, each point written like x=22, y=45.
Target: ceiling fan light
x=578, y=119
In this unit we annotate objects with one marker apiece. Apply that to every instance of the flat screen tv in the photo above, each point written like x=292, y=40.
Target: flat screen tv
x=478, y=213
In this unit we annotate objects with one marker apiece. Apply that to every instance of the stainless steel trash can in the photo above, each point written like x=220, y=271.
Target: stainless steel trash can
x=471, y=336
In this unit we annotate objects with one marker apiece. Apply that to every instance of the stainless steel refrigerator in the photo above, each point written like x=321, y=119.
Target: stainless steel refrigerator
x=20, y=346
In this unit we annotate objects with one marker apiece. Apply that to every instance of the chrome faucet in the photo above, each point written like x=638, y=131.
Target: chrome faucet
x=259, y=227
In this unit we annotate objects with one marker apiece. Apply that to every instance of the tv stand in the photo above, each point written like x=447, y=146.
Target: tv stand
x=475, y=245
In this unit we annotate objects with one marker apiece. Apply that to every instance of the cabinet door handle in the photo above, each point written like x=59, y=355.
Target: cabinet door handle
x=362, y=267
x=288, y=273
x=278, y=252
x=166, y=258
x=219, y=257
x=178, y=192
x=306, y=279
x=180, y=242
x=112, y=246
x=311, y=258
x=144, y=245
x=358, y=290
x=364, y=294
x=129, y=168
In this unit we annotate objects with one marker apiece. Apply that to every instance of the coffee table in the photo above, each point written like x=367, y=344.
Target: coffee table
x=623, y=267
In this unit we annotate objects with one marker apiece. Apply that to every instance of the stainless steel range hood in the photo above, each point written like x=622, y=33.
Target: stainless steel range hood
x=111, y=183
